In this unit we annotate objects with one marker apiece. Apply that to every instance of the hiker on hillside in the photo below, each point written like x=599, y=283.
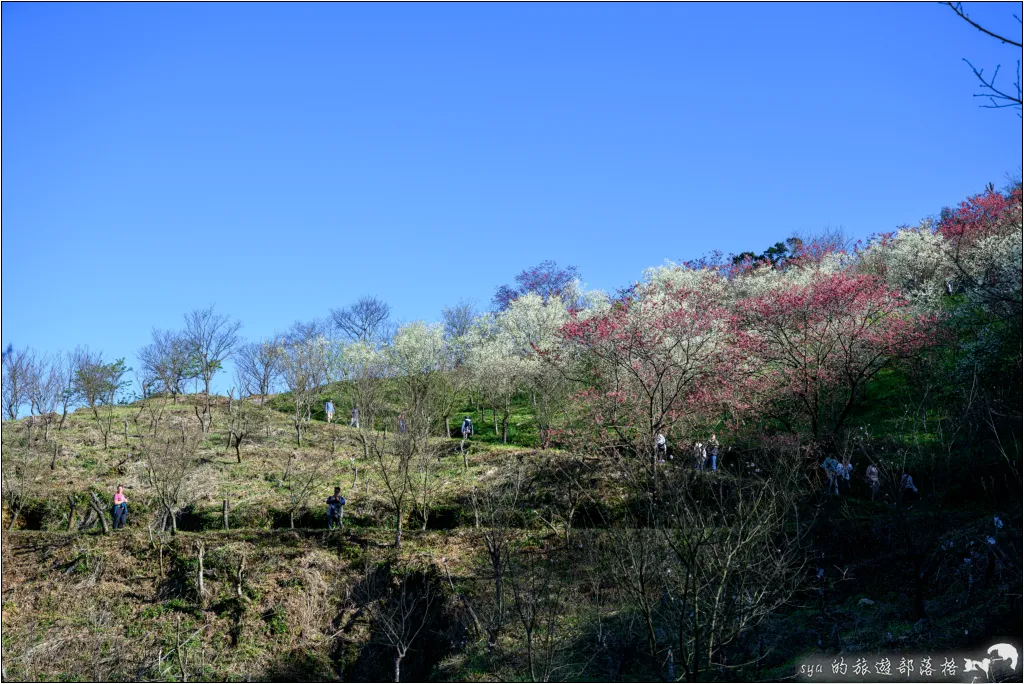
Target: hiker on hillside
x=335, y=509
x=699, y=455
x=660, y=447
x=354, y=420
x=908, y=490
x=329, y=410
x=713, y=451
x=120, y=512
x=833, y=470
x=871, y=477
x=401, y=423
x=844, y=477
x=467, y=427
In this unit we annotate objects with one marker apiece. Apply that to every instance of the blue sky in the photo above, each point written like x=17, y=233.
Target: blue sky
x=282, y=159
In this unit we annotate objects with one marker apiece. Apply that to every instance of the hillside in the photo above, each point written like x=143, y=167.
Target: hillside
x=305, y=604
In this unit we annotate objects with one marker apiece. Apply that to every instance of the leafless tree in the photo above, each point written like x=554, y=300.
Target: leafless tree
x=246, y=420
x=307, y=363
x=16, y=364
x=64, y=366
x=303, y=473
x=21, y=476
x=398, y=601
x=998, y=97
x=171, y=360
x=258, y=367
x=45, y=389
x=365, y=321
x=496, y=506
x=211, y=337
x=539, y=590
x=393, y=462
x=172, y=466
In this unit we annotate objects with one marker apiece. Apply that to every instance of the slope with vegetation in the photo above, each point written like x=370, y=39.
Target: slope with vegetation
x=557, y=542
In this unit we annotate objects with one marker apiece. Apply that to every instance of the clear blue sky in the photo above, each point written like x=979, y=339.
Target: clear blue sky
x=282, y=159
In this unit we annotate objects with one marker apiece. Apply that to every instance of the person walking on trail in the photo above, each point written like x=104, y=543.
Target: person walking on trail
x=713, y=452
x=834, y=472
x=120, y=512
x=467, y=427
x=908, y=491
x=660, y=446
x=335, y=509
x=844, y=477
x=871, y=477
x=329, y=410
x=354, y=420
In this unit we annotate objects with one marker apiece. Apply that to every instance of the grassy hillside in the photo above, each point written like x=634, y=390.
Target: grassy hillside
x=294, y=604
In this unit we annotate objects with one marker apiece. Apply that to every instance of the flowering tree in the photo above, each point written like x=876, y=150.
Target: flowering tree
x=546, y=280
x=365, y=367
x=495, y=366
x=810, y=349
x=658, y=361
x=983, y=244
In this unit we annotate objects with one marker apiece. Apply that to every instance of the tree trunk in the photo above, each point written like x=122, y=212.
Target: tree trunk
x=14, y=518
x=398, y=668
x=71, y=513
x=98, y=507
x=226, y=515
x=174, y=520
x=53, y=461
x=291, y=519
x=199, y=573
x=63, y=417
x=238, y=449
x=398, y=528
x=298, y=434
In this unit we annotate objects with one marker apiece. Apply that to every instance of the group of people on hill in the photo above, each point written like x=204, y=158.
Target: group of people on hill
x=705, y=454
x=353, y=417
x=837, y=479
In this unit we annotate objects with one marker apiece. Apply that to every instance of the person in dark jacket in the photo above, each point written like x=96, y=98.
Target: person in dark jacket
x=335, y=509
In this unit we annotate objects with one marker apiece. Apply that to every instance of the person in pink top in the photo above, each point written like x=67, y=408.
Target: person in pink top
x=120, y=508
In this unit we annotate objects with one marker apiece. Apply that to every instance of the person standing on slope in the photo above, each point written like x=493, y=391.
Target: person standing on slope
x=120, y=511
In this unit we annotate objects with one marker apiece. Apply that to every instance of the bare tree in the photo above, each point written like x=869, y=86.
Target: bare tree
x=308, y=362
x=16, y=364
x=496, y=506
x=170, y=359
x=998, y=97
x=365, y=321
x=258, y=367
x=393, y=461
x=21, y=476
x=211, y=339
x=45, y=389
x=246, y=421
x=172, y=466
x=538, y=599
x=398, y=601
x=64, y=366
x=303, y=473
